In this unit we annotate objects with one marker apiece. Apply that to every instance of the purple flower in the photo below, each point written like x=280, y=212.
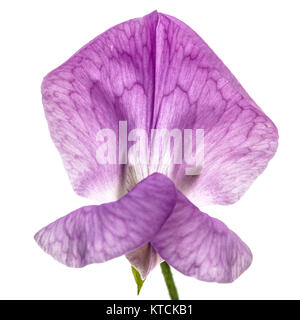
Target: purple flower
x=154, y=73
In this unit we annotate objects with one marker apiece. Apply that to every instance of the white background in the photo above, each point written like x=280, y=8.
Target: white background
x=257, y=40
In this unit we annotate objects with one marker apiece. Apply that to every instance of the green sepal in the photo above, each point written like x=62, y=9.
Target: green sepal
x=138, y=280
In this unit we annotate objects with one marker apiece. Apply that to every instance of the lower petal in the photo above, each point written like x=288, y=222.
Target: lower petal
x=144, y=259
x=200, y=246
x=99, y=233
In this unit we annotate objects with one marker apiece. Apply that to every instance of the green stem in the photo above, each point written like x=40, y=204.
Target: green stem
x=166, y=271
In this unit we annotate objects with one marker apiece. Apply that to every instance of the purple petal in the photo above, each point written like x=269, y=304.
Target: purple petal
x=194, y=90
x=144, y=259
x=99, y=233
x=155, y=72
x=200, y=246
x=108, y=80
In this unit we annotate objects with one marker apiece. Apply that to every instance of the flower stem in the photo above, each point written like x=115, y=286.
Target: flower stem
x=166, y=271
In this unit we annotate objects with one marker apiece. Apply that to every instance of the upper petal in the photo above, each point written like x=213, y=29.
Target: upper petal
x=200, y=246
x=195, y=90
x=98, y=233
x=155, y=72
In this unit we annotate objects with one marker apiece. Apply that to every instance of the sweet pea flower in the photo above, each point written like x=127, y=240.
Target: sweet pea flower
x=153, y=73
